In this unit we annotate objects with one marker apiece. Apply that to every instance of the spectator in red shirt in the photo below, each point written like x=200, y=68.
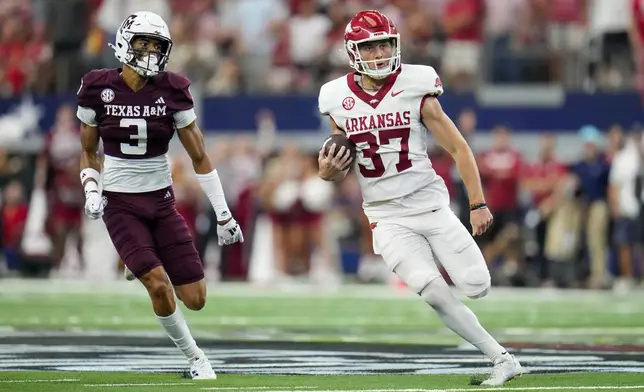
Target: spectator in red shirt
x=57, y=167
x=500, y=169
x=540, y=179
x=463, y=26
x=542, y=176
x=12, y=50
x=23, y=53
x=13, y=217
x=566, y=28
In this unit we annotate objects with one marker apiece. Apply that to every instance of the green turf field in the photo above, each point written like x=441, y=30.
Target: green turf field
x=567, y=340
x=354, y=313
x=72, y=382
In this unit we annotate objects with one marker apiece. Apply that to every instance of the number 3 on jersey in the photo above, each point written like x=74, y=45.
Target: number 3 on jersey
x=141, y=136
x=371, y=152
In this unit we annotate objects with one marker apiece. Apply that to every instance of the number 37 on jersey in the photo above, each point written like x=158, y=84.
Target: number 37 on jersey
x=386, y=127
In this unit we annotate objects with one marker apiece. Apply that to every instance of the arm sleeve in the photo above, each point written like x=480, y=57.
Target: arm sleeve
x=85, y=111
x=87, y=116
x=184, y=118
x=182, y=101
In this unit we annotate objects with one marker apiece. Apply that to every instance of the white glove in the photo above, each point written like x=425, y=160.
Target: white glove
x=94, y=205
x=229, y=233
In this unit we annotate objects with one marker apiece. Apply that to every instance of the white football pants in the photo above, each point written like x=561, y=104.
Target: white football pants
x=413, y=245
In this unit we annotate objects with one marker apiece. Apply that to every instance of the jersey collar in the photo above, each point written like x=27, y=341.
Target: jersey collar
x=372, y=100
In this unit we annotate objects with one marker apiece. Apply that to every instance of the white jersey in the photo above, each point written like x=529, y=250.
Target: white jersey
x=393, y=168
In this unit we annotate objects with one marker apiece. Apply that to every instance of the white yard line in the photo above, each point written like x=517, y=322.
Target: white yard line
x=16, y=287
x=269, y=389
x=161, y=384
x=51, y=380
x=281, y=321
x=201, y=321
x=575, y=331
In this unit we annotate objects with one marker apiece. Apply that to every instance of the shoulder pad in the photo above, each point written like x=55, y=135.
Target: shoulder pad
x=425, y=78
x=327, y=97
x=177, y=81
x=90, y=86
x=178, y=90
x=96, y=76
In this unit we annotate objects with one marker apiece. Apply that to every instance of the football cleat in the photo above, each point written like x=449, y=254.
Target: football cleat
x=504, y=370
x=200, y=369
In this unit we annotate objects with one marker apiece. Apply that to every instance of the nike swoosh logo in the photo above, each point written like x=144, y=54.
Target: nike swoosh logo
x=396, y=93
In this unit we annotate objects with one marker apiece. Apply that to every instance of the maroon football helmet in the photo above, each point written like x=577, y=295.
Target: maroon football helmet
x=369, y=26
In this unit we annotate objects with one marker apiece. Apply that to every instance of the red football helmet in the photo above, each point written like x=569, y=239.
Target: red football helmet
x=368, y=26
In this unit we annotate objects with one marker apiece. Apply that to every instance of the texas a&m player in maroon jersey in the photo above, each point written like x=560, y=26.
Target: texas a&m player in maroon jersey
x=135, y=110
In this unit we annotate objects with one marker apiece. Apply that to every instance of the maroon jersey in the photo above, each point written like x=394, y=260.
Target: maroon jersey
x=142, y=120
x=136, y=127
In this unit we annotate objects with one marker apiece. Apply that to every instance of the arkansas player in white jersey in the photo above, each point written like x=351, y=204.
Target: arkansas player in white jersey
x=386, y=108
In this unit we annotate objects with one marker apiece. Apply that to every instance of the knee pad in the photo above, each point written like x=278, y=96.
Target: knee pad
x=481, y=294
x=476, y=282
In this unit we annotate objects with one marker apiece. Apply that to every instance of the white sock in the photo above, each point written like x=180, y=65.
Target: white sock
x=177, y=329
x=460, y=319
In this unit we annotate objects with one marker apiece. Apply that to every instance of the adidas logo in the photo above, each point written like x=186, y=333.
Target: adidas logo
x=167, y=195
x=160, y=100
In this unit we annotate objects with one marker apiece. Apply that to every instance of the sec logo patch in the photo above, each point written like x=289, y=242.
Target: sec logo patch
x=107, y=95
x=348, y=103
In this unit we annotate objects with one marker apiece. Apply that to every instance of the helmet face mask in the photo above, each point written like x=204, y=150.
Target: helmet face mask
x=376, y=59
x=149, y=54
x=373, y=44
x=143, y=43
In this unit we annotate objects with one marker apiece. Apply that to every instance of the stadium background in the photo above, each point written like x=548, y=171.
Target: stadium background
x=537, y=67
x=558, y=75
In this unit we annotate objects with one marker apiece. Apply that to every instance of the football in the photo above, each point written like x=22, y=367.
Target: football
x=339, y=141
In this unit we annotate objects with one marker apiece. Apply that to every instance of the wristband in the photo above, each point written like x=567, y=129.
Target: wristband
x=477, y=206
x=89, y=173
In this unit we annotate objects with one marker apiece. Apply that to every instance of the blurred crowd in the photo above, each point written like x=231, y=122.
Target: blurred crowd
x=572, y=221
x=285, y=46
x=562, y=221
